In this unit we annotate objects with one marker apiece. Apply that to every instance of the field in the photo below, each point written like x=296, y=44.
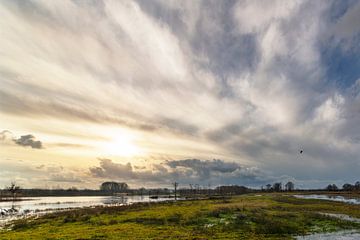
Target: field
x=270, y=216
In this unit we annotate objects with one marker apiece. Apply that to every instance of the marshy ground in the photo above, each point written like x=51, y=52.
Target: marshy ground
x=269, y=216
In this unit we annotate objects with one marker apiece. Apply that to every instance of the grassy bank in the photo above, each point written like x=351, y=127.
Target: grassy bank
x=269, y=216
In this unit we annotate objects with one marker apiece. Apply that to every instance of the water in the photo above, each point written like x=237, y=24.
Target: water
x=40, y=205
x=330, y=198
x=341, y=235
x=342, y=217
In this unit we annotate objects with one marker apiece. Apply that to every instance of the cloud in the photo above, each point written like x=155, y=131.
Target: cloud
x=68, y=145
x=45, y=175
x=346, y=25
x=109, y=169
x=203, y=168
x=28, y=141
x=67, y=178
x=185, y=171
x=5, y=134
x=250, y=81
x=40, y=166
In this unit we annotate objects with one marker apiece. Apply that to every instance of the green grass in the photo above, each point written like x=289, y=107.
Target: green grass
x=271, y=216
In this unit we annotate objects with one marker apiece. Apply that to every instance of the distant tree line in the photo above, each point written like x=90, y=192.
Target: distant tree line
x=278, y=187
x=114, y=187
x=13, y=191
x=346, y=187
x=231, y=190
x=350, y=187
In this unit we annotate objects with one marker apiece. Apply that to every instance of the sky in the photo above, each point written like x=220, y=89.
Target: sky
x=150, y=92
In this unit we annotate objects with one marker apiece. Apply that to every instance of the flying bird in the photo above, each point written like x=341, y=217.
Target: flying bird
x=301, y=151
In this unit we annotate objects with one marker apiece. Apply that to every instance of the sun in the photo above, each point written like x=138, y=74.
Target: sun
x=121, y=144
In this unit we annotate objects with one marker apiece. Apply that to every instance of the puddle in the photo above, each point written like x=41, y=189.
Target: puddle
x=341, y=235
x=335, y=198
x=342, y=217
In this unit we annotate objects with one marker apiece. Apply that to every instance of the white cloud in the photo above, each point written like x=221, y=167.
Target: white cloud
x=245, y=81
x=256, y=16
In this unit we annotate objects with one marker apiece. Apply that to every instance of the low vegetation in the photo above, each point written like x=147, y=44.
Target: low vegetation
x=270, y=216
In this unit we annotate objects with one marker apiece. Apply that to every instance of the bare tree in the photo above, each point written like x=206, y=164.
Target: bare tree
x=13, y=189
x=175, y=188
x=196, y=189
x=191, y=190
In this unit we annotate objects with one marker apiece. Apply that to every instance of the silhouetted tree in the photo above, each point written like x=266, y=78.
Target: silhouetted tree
x=348, y=187
x=142, y=190
x=289, y=186
x=357, y=186
x=233, y=189
x=277, y=187
x=332, y=187
x=114, y=187
x=268, y=187
x=13, y=189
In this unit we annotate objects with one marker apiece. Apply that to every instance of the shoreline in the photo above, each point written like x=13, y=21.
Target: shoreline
x=18, y=199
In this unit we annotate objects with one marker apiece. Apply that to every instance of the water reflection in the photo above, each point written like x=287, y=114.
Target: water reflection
x=341, y=235
x=335, y=198
x=11, y=210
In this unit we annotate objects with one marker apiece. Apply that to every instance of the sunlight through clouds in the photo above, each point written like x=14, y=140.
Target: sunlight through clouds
x=142, y=82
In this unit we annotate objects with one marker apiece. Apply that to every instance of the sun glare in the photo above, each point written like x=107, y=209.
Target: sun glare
x=121, y=144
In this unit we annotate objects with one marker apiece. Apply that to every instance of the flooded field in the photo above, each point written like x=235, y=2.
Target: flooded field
x=350, y=200
x=342, y=217
x=341, y=235
x=39, y=205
